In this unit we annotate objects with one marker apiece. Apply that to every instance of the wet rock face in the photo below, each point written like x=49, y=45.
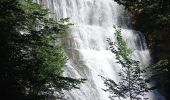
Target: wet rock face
x=159, y=44
x=158, y=41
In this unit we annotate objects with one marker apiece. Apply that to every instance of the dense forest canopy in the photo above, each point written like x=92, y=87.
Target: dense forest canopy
x=31, y=61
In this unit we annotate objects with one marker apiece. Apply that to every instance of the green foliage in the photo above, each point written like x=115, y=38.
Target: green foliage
x=148, y=15
x=132, y=84
x=31, y=58
x=134, y=77
x=158, y=72
x=152, y=17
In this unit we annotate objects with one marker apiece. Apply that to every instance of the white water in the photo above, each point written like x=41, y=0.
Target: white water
x=87, y=46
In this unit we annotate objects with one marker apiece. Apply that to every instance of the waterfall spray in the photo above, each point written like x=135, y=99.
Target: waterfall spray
x=87, y=48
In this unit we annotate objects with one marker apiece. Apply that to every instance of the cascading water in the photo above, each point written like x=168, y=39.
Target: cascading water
x=87, y=49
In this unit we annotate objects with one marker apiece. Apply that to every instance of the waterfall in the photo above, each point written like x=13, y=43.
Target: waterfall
x=87, y=47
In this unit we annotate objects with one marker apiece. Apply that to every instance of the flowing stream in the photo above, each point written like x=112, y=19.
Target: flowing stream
x=87, y=47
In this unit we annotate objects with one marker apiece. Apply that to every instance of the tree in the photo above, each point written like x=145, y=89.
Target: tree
x=152, y=17
x=32, y=60
x=133, y=83
x=154, y=12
